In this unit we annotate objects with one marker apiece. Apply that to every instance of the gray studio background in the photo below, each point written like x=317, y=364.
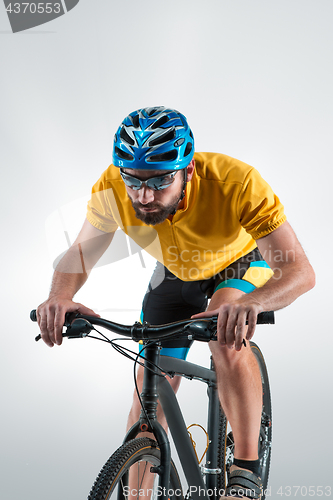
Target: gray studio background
x=254, y=78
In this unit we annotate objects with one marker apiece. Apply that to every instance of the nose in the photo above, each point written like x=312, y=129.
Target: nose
x=145, y=195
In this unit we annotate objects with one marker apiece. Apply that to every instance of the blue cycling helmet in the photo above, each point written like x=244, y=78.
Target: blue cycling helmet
x=153, y=139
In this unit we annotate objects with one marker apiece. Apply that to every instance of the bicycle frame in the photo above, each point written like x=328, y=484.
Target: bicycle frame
x=158, y=388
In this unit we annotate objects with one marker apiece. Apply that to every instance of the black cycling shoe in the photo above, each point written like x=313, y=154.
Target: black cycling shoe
x=243, y=484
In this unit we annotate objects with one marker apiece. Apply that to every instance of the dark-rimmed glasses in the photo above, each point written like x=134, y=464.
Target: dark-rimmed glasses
x=155, y=183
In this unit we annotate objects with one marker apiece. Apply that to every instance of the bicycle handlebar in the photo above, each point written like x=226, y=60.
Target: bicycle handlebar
x=204, y=330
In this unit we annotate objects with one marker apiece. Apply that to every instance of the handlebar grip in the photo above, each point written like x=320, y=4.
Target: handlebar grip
x=33, y=317
x=266, y=318
x=69, y=317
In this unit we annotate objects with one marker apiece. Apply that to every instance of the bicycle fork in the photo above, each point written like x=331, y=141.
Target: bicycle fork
x=148, y=418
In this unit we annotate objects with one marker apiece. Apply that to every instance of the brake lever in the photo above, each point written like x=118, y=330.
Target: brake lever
x=79, y=329
x=213, y=325
x=214, y=339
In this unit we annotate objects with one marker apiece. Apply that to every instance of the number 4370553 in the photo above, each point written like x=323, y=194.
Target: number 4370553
x=305, y=491
x=33, y=8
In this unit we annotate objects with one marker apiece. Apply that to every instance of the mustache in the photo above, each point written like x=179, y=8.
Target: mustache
x=137, y=204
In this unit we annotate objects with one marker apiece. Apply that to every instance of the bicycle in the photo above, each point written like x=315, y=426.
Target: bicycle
x=144, y=457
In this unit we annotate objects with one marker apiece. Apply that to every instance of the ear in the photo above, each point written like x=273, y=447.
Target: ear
x=190, y=170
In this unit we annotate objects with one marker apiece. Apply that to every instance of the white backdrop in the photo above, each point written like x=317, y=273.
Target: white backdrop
x=254, y=79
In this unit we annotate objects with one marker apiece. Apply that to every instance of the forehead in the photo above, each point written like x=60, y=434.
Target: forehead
x=145, y=174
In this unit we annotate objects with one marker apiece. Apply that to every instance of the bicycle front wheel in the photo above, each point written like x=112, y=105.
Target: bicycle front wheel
x=226, y=440
x=127, y=474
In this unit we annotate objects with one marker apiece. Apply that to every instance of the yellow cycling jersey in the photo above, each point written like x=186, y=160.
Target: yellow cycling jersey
x=227, y=206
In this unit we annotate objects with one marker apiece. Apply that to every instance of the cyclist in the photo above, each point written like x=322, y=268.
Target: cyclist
x=218, y=232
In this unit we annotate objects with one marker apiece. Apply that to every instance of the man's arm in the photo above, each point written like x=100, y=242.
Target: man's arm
x=293, y=276
x=70, y=275
x=293, y=273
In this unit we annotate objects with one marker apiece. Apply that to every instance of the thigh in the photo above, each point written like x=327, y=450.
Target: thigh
x=222, y=296
x=170, y=299
x=245, y=274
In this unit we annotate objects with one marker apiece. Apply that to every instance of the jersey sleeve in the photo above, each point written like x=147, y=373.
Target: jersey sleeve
x=99, y=212
x=259, y=209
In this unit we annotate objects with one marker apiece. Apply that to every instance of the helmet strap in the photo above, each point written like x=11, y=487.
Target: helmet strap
x=184, y=185
x=182, y=196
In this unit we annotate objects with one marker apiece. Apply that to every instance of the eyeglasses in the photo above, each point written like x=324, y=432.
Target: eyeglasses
x=155, y=183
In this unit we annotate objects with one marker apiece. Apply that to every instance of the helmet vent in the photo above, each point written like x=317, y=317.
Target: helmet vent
x=166, y=137
x=135, y=121
x=125, y=137
x=188, y=149
x=151, y=111
x=123, y=155
x=168, y=156
x=161, y=121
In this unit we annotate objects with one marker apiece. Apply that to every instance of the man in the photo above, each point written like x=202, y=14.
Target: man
x=216, y=220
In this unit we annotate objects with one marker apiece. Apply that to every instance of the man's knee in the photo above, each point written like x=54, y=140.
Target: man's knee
x=222, y=355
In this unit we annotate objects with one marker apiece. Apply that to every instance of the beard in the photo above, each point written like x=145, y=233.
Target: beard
x=159, y=215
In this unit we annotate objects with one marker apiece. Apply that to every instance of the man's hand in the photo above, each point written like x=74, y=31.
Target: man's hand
x=232, y=318
x=51, y=317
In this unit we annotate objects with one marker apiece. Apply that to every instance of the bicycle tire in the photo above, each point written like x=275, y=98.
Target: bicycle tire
x=141, y=453
x=226, y=440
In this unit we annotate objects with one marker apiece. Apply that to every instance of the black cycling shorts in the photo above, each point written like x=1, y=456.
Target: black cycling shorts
x=170, y=299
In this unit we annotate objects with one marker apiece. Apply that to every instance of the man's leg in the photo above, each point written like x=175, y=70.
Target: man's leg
x=239, y=386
